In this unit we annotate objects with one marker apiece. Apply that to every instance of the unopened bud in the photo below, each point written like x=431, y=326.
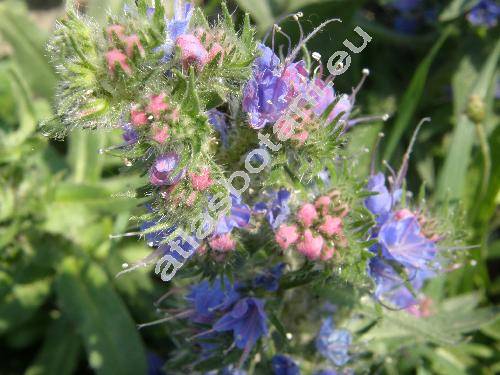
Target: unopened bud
x=476, y=109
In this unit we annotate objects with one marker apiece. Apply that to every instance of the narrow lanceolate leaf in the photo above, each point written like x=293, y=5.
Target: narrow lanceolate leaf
x=59, y=353
x=27, y=43
x=455, y=9
x=411, y=98
x=110, y=337
x=452, y=180
x=260, y=10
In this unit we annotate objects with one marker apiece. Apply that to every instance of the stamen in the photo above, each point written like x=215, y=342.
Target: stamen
x=366, y=73
x=287, y=37
x=277, y=23
x=362, y=120
x=142, y=263
x=122, y=235
x=373, y=156
x=406, y=157
x=184, y=314
x=307, y=38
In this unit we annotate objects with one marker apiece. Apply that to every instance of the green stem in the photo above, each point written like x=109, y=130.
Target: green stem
x=485, y=150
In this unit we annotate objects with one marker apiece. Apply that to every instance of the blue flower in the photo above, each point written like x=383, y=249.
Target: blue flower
x=326, y=372
x=154, y=238
x=270, y=279
x=247, y=320
x=402, y=241
x=283, y=365
x=175, y=28
x=218, y=120
x=264, y=99
x=276, y=208
x=484, y=13
x=206, y=299
x=381, y=203
x=267, y=60
x=391, y=287
x=155, y=364
x=264, y=96
x=406, y=6
x=129, y=134
x=239, y=217
x=333, y=343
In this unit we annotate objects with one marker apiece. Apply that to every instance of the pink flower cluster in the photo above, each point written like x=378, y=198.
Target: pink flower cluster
x=197, y=53
x=318, y=230
x=157, y=113
x=123, y=48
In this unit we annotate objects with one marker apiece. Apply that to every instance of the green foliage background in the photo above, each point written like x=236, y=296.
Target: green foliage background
x=61, y=309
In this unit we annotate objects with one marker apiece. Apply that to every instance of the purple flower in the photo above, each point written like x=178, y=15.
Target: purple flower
x=402, y=241
x=484, y=13
x=264, y=99
x=247, y=320
x=381, y=203
x=155, y=364
x=218, y=120
x=283, y=365
x=270, y=279
x=129, y=134
x=239, y=217
x=391, y=287
x=206, y=299
x=326, y=372
x=276, y=208
x=267, y=60
x=406, y=6
x=154, y=239
x=162, y=169
x=333, y=343
x=175, y=27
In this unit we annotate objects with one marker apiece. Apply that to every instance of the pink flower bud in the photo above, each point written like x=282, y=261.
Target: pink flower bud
x=323, y=204
x=286, y=235
x=307, y=214
x=118, y=30
x=157, y=105
x=131, y=42
x=223, y=243
x=160, y=134
x=201, y=181
x=138, y=118
x=327, y=253
x=301, y=137
x=191, y=199
x=192, y=51
x=331, y=225
x=311, y=246
x=216, y=48
x=403, y=214
x=284, y=128
x=114, y=57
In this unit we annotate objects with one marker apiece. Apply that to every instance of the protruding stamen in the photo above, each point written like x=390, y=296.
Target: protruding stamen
x=406, y=157
x=366, y=73
x=316, y=56
x=122, y=235
x=373, y=156
x=181, y=315
x=307, y=38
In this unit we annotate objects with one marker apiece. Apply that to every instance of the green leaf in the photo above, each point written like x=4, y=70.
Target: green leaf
x=110, y=337
x=412, y=96
x=59, y=353
x=455, y=9
x=84, y=157
x=20, y=302
x=260, y=10
x=28, y=44
x=452, y=180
